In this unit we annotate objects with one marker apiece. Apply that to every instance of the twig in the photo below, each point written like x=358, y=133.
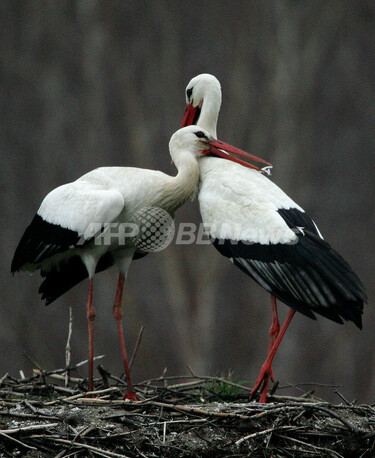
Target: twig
x=28, y=428
x=3, y=378
x=117, y=379
x=137, y=344
x=169, y=377
x=297, y=385
x=84, y=432
x=38, y=413
x=342, y=397
x=68, y=348
x=62, y=389
x=96, y=401
x=294, y=398
x=352, y=428
x=17, y=441
x=85, y=361
x=91, y=448
x=63, y=454
x=30, y=415
x=263, y=433
x=197, y=411
x=57, y=376
x=306, y=444
x=28, y=405
x=164, y=431
x=163, y=377
x=274, y=411
x=89, y=393
x=33, y=361
x=38, y=372
x=191, y=371
x=186, y=385
x=104, y=375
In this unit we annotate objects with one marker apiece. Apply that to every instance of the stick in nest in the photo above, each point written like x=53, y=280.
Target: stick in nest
x=68, y=348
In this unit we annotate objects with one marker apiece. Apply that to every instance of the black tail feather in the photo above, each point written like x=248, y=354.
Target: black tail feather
x=66, y=275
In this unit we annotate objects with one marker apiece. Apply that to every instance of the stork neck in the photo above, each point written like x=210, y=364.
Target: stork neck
x=209, y=114
x=186, y=180
x=183, y=185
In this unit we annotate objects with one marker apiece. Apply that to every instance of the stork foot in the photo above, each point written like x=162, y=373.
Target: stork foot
x=266, y=373
x=131, y=396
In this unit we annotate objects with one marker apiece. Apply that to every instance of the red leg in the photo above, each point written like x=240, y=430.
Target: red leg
x=117, y=312
x=266, y=369
x=274, y=329
x=90, y=312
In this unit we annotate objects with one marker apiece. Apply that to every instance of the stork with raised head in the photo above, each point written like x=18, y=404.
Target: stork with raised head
x=61, y=242
x=268, y=236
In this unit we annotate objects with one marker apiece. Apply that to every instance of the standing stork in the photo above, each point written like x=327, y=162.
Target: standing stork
x=268, y=236
x=59, y=241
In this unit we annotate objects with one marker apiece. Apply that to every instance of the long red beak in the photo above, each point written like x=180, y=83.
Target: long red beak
x=224, y=150
x=191, y=115
x=221, y=149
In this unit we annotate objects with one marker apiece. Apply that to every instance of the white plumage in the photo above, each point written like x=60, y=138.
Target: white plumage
x=245, y=207
x=268, y=236
x=65, y=239
x=62, y=240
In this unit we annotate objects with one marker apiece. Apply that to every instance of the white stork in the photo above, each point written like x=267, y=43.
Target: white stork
x=59, y=241
x=268, y=236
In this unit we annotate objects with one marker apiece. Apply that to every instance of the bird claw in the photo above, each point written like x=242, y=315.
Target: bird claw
x=131, y=397
x=266, y=373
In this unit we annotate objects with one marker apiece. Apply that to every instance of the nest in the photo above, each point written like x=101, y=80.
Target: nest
x=177, y=417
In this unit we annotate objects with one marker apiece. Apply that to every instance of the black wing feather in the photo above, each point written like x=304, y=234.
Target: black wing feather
x=295, y=218
x=69, y=273
x=42, y=240
x=309, y=275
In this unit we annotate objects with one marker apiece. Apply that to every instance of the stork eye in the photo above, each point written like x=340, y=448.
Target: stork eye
x=200, y=134
x=189, y=92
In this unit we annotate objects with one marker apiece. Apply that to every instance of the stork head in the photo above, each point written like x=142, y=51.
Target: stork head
x=197, y=141
x=203, y=101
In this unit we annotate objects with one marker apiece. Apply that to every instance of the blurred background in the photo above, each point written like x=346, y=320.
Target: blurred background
x=89, y=83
